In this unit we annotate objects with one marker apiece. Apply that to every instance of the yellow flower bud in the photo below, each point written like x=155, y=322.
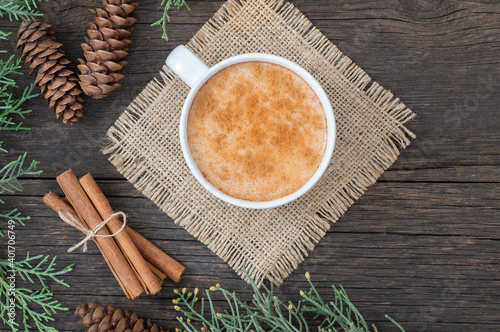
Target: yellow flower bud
x=184, y=290
x=190, y=294
x=177, y=329
x=212, y=288
x=195, y=299
x=308, y=276
x=217, y=285
x=203, y=329
x=176, y=291
x=180, y=318
x=189, y=320
x=218, y=315
x=175, y=301
x=302, y=293
x=176, y=307
x=196, y=291
x=290, y=306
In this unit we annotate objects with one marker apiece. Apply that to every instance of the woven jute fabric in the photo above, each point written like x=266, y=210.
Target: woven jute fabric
x=144, y=142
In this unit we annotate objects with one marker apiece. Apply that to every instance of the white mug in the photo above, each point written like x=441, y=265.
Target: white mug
x=195, y=73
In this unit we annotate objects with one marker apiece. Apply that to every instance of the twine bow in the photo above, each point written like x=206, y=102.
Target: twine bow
x=90, y=233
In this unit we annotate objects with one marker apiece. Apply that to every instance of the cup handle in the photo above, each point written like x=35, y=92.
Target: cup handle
x=186, y=65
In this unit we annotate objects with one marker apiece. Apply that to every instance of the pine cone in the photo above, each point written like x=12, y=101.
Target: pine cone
x=99, y=319
x=58, y=83
x=106, y=47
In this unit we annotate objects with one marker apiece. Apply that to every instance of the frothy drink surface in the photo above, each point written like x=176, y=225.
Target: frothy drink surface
x=257, y=131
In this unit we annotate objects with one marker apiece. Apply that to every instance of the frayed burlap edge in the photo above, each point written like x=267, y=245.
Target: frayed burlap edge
x=331, y=210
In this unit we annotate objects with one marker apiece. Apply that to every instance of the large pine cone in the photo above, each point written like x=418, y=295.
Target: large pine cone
x=106, y=47
x=58, y=83
x=99, y=319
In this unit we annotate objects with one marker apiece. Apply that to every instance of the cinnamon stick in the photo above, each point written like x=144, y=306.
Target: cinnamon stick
x=157, y=258
x=160, y=275
x=166, y=264
x=128, y=248
x=57, y=204
x=83, y=206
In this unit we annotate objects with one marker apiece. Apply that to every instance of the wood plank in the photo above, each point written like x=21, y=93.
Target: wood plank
x=389, y=252
x=401, y=50
x=421, y=245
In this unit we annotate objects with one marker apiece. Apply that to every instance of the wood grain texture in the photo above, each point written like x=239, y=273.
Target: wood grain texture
x=422, y=245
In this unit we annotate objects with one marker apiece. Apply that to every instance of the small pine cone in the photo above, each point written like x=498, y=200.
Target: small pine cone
x=98, y=319
x=106, y=47
x=48, y=62
x=91, y=314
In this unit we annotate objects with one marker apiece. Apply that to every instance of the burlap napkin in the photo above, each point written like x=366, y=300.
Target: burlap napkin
x=145, y=144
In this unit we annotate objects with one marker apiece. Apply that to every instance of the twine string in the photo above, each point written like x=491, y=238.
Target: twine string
x=70, y=219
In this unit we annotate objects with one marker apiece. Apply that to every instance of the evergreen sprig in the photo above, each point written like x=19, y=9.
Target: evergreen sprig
x=267, y=312
x=20, y=9
x=41, y=267
x=37, y=306
x=166, y=18
x=2, y=149
x=4, y=36
x=9, y=104
x=27, y=301
x=15, y=216
x=10, y=183
x=10, y=174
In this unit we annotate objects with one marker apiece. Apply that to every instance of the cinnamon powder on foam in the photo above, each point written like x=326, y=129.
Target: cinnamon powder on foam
x=257, y=131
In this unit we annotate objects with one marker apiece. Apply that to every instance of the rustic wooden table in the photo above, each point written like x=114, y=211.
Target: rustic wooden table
x=422, y=245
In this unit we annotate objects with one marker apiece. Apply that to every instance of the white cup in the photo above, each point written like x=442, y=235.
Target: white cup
x=195, y=73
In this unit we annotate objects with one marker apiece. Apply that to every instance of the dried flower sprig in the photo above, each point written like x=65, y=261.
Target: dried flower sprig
x=267, y=312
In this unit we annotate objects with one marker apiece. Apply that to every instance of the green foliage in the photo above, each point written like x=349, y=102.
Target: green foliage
x=10, y=183
x=10, y=173
x=9, y=107
x=267, y=312
x=9, y=104
x=36, y=306
x=37, y=267
x=15, y=216
x=20, y=9
x=4, y=36
x=166, y=18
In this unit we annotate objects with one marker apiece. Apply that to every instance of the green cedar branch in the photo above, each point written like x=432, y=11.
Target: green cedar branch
x=4, y=36
x=36, y=306
x=166, y=18
x=20, y=9
x=10, y=105
x=10, y=183
x=10, y=174
x=41, y=267
x=15, y=216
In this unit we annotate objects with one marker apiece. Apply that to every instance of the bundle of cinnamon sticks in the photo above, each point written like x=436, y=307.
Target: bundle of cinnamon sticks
x=137, y=264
